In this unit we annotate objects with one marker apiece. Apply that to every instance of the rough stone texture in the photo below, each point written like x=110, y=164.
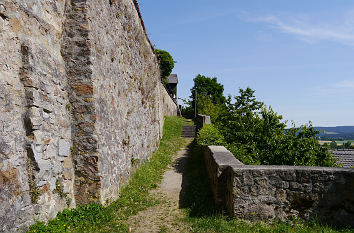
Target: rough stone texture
x=169, y=104
x=217, y=158
x=32, y=112
x=281, y=192
x=80, y=101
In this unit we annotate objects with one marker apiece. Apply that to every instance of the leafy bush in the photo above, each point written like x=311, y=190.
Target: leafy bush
x=209, y=135
x=257, y=135
x=206, y=107
x=166, y=64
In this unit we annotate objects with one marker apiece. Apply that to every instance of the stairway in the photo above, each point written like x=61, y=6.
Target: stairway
x=188, y=131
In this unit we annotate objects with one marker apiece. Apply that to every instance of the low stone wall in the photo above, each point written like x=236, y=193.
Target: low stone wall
x=281, y=192
x=217, y=158
x=203, y=119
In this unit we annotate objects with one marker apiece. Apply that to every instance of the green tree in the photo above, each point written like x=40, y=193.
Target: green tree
x=208, y=87
x=206, y=106
x=166, y=64
x=333, y=145
x=210, y=98
x=347, y=145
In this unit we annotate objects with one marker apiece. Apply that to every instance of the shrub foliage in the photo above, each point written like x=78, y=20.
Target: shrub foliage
x=256, y=134
x=209, y=135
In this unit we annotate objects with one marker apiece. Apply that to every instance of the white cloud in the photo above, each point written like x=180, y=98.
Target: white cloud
x=345, y=84
x=341, y=89
x=310, y=31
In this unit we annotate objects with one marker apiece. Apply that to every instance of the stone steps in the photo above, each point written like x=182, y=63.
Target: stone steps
x=188, y=131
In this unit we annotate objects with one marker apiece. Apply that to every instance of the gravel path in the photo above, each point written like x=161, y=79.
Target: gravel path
x=167, y=215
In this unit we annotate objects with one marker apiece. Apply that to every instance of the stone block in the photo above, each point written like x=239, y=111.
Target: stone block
x=52, y=183
x=44, y=165
x=37, y=156
x=64, y=148
x=67, y=164
x=68, y=175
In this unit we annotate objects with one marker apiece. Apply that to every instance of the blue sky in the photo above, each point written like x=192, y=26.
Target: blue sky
x=297, y=55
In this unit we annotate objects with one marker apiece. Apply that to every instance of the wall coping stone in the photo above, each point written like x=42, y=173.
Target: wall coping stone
x=287, y=168
x=223, y=157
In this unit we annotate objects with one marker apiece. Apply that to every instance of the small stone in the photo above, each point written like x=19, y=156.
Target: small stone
x=35, y=112
x=38, y=148
x=57, y=168
x=67, y=163
x=2, y=9
x=52, y=183
x=64, y=148
x=3, y=166
x=67, y=186
x=37, y=156
x=44, y=165
x=42, y=183
x=45, y=115
x=5, y=148
x=38, y=136
x=68, y=175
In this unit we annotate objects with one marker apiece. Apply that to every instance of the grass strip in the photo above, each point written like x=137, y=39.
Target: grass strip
x=134, y=197
x=203, y=216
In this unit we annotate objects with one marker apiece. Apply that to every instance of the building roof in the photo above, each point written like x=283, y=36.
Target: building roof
x=173, y=78
x=345, y=157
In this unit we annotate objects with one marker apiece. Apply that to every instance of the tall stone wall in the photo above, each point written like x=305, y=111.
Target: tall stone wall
x=80, y=104
x=169, y=108
x=35, y=176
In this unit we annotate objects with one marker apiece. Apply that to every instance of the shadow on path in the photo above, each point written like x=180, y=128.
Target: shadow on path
x=195, y=192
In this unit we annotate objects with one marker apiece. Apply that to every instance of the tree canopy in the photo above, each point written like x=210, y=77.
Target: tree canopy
x=208, y=87
x=166, y=64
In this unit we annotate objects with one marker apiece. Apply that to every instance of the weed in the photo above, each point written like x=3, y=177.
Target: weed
x=33, y=189
x=134, y=161
x=125, y=142
x=68, y=107
x=163, y=229
x=68, y=201
x=59, y=189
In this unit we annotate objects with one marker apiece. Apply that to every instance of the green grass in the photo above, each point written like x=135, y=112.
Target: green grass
x=203, y=216
x=134, y=197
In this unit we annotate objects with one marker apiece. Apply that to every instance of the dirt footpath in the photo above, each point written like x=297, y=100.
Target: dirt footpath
x=166, y=216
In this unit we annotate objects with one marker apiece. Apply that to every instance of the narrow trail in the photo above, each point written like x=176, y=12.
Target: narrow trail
x=167, y=216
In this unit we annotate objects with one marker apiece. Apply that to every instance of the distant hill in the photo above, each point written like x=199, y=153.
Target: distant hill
x=338, y=132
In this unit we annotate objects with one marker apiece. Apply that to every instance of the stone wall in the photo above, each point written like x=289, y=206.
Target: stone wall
x=34, y=120
x=170, y=108
x=281, y=192
x=80, y=104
